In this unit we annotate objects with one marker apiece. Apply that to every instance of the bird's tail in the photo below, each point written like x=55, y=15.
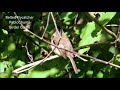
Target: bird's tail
x=74, y=65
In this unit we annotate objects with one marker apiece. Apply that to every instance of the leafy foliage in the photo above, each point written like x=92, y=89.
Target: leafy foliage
x=80, y=29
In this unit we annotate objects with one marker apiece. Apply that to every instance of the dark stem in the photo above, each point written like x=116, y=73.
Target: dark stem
x=100, y=25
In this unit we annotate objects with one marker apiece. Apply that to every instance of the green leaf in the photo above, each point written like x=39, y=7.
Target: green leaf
x=19, y=63
x=100, y=75
x=22, y=76
x=117, y=61
x=89, y=73
x=88, y=36
x=106, y=17
x=68, y=16
x=2, y=67
x=11, y=47
x=43, y=74
x=118, y=58
x=6, y=69
x=77, y=32
x=42, y=44
x=65, y=16
x=5, y=31
x=112, y=49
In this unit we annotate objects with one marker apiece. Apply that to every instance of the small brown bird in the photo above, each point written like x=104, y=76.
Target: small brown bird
x=60, y=39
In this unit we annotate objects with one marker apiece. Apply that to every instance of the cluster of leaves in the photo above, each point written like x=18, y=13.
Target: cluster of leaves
x=79, y=28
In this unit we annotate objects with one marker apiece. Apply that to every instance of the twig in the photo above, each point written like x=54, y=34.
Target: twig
x=46, y=25
x=81, y=58
x=22, y=69
x=103, y=27
x=28, y=54
x=112, y=25
x=101, y=61
x=18, y=19
x=75, y=22
x=55, y=23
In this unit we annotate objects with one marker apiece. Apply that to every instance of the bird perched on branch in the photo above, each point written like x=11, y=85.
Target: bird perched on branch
x=62, y=41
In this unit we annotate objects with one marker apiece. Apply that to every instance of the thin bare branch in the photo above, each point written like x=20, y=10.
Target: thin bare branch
x=112, y=25
x=46, y=24
x=28, y=54
x=23, y=70
x=31, y=65
x=103, y=27
x=85, y=60
x=101, y=61
x=55, y=23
